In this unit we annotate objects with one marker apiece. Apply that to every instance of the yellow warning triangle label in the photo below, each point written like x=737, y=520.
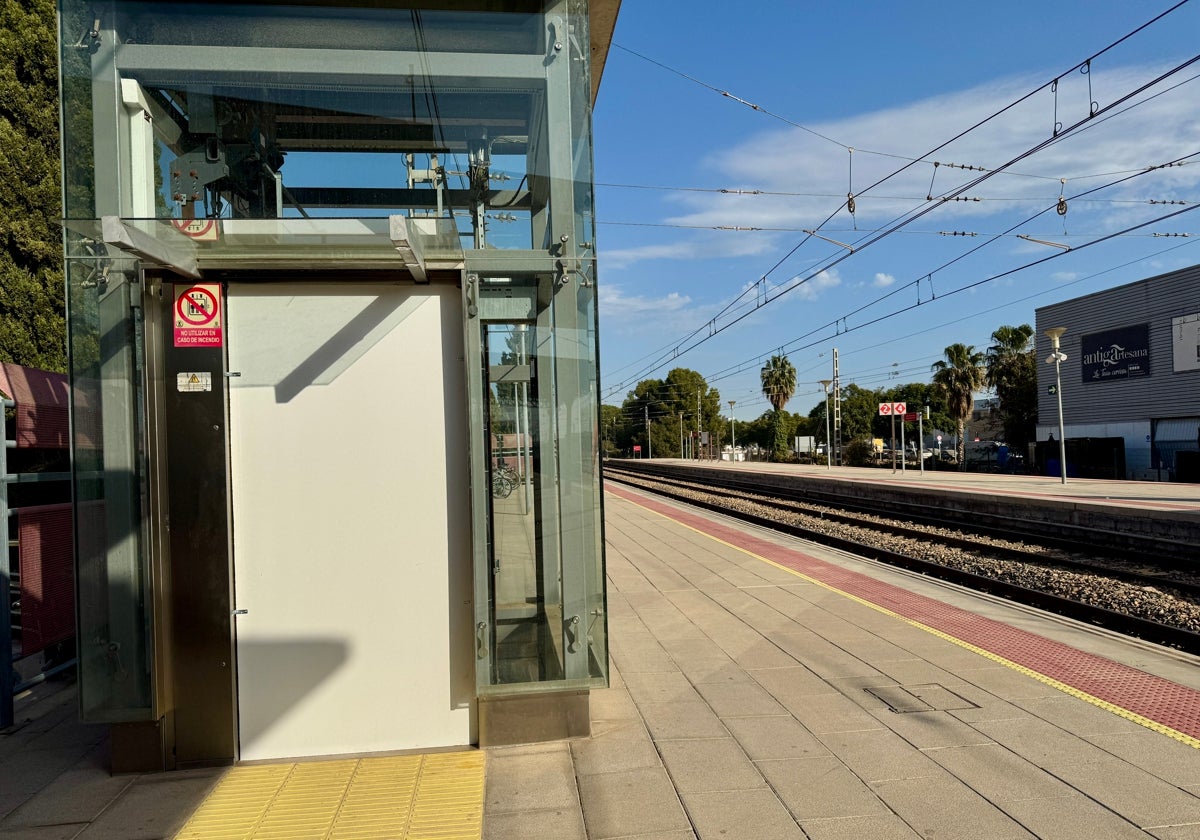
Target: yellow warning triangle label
x=195, y=380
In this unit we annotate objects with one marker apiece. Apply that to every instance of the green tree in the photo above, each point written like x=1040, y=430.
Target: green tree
x=610, y=420
x=958, y=377
x=778, y=385
x=860, y=412
x=669, y=404
x=32, y=325
x=1012, y=372
x=760, y=431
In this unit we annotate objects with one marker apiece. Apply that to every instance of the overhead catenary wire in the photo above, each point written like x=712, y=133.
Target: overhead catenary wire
x=900, y=222
x=977, y=313
x=792, y=346
x=910, y=160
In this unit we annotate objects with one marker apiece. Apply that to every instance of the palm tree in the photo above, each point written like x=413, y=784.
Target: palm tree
x=959, y=376
x=778, y=385
x=1009, y=345
x=1012, y=372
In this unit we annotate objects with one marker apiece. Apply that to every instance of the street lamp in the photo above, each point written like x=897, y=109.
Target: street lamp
x=732, y=434
x=1057, y=357
x=825, y=383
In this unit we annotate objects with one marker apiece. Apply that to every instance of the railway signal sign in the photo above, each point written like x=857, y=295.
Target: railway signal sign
x=893, y=408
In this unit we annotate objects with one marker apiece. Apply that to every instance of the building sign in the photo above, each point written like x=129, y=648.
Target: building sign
x=1185, y=339
x=1116, y=354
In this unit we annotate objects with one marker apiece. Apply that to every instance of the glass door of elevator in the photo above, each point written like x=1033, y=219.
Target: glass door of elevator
x=539, y=612
x=524, y=604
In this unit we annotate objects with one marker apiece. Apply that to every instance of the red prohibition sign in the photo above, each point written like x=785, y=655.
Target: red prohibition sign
x=203, y=227
x=208, y=311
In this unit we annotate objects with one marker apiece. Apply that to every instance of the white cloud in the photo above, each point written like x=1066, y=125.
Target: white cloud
x=882, y=281
x=1064, y=276
x=727, y=244
x=791, y=160
x=671, y=315
x=812, y=289
x=614, y=303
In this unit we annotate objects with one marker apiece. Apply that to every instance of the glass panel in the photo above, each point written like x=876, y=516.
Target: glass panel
x=269, y=110
x=108, y=410
x=78, y=150
x=526, y=604
x=589, y=479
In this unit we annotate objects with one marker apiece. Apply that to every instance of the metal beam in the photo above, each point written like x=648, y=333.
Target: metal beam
x=174, y=64
x=153, y=250
x=384, y=198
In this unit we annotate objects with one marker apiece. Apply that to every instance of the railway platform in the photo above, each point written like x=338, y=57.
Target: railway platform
x=765, y=688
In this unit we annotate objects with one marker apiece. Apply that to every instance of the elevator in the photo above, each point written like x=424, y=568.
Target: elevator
x=332, y=319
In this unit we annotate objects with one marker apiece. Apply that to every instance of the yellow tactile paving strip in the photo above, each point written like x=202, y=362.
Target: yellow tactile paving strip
x=411, y=797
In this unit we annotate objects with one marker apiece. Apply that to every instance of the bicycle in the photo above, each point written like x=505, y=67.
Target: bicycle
x=504, y=480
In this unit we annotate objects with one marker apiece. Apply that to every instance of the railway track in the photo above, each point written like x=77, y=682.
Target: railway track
x=1124, y=590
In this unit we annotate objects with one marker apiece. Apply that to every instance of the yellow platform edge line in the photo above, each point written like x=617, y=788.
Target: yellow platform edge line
x=1029, y=672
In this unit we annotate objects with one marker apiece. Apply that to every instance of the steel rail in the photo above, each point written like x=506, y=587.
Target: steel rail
x=794, y=504
x=1141, y=628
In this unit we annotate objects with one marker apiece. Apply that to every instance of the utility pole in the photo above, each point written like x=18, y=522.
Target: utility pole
x=649, y=443
x=837, y=406
x=825, y=383
x=697, y=451
x=681, y=434
x=732, y=433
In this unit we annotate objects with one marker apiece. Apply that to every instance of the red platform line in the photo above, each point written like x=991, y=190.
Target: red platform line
x=1151, y=701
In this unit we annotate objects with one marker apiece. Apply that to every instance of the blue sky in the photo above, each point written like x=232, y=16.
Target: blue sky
x=891, y=81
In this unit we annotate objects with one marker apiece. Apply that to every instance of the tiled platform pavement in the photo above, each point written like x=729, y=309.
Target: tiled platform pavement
x=746, y=703
x=749, y=703
x=55, y=784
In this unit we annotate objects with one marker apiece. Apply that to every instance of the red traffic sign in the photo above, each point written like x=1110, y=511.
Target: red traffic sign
x=885, y=409
x=899, y=408
x=911, y=416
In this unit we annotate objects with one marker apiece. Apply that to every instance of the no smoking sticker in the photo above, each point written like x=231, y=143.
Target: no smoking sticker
x=198, y=316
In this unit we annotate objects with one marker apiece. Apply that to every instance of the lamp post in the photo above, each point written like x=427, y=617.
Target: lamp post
x=732, y=434
x=1057, y=357
x=825, y=383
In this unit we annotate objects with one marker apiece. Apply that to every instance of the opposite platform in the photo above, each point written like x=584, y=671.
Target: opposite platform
x=1147, y=495
x=1147, y=516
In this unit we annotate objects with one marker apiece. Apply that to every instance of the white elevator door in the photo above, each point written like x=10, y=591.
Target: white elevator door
x=350, y=518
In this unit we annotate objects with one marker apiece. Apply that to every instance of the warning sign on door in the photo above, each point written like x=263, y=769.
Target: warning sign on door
x=193, y=382
x=198, y=316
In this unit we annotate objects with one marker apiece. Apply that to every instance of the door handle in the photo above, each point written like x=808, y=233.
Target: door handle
x=481, y=640
x=572, y=628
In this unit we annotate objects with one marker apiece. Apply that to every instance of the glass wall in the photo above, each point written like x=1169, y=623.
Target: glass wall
x=541, y=616
x=111, y=492
x=234, y=111
x=220, y=136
